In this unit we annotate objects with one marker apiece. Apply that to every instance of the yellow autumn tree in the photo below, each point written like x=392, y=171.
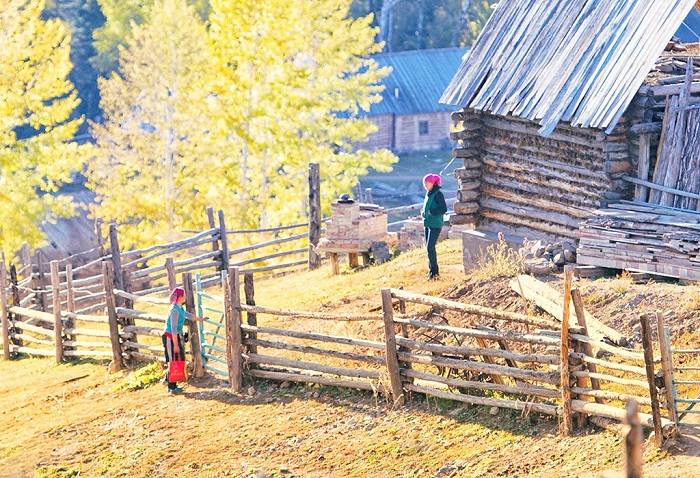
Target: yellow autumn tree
x=291, y=77
x=151, y=163
x=37, y=154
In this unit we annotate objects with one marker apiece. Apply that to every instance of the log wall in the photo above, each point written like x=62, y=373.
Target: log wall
x=516, y=181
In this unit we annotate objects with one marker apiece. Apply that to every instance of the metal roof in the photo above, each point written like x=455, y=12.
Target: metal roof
x=689, y=31
x=417, y=80
x=580, y=61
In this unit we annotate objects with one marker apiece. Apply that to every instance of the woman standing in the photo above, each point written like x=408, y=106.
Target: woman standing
x=172, y=335
x=434, y=209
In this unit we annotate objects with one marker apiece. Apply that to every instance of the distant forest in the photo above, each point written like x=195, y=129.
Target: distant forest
x=100, y=27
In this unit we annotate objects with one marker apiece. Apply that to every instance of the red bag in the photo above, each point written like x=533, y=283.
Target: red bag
x=176, y=371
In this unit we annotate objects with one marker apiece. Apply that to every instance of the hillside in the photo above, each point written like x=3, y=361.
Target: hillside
x=76, y=419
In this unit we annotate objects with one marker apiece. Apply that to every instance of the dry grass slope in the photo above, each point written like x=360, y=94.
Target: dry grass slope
x=75, y=419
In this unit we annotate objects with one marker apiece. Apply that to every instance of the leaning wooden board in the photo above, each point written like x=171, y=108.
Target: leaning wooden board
x=552, y=301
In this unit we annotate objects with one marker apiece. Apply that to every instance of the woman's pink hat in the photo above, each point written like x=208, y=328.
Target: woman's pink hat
x=432, y=178
x=176, y=294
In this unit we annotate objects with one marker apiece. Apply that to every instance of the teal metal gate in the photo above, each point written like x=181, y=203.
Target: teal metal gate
x=685, y=381
x=212, y=331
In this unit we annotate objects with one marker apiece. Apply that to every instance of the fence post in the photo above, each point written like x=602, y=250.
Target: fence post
x=249, y=288
x=40, y=286
x=392, y=358
x=26, y=255
x=14, y=283
x=667, y=366
x=70, y=304
x=649, y=362
x=566, y=421
x=224, y=242
x=403, y=330
x=170, y=268
x=314, y=215
x=368, y=196
x=212, y=225
x=234, y=347
x=587, y=349
x=116, y=261
x=634, y=438
x=108, y=276
x=192, y=327
x=129, y=304
x=5, y=318
x=70, y=301
x=57, y=322
x=100, y=238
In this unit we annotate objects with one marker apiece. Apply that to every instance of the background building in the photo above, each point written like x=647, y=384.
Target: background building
x=409, y=116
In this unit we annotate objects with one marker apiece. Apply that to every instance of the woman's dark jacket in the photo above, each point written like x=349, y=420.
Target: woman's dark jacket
x=434, y=208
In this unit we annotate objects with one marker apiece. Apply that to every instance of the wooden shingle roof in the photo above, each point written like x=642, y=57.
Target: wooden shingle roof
x=580, y=61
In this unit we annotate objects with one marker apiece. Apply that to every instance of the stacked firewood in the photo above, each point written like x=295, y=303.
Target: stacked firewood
x=642, y=237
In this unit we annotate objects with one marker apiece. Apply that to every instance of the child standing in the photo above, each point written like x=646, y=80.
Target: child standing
x=172, y=335
x=434, y=209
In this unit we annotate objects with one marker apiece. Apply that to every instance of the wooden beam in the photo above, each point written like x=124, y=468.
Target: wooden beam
x=549, y=299
x=192, y=326
x=108, y=276
x=224, y=242
x=642, y=192
x=234, y=347
x=314, y=215
x=587, y=349
x=666, y=366
x=56, y=307
x=634, y=440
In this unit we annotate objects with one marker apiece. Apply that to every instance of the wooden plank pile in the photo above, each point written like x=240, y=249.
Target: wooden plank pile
x=643, y=237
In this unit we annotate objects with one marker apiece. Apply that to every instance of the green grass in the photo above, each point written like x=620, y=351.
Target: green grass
x=142, y=377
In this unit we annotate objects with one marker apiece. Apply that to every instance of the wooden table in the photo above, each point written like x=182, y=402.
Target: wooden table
x=352, y=253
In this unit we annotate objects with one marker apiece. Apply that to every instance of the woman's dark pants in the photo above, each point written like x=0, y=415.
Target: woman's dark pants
x=431, y=238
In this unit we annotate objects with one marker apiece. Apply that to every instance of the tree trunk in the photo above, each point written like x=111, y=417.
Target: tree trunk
x=462, y=24
x=385, y=22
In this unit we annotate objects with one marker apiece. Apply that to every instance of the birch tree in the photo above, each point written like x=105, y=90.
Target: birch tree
x=291, y=78
x=36, y=100
x=152, y=163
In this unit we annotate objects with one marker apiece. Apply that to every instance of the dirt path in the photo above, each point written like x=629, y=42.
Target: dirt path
x=683, y=456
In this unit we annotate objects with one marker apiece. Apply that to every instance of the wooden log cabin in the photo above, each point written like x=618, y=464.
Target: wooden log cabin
x=561, y=103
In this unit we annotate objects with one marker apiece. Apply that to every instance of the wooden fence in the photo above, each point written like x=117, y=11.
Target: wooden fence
x=418, y=344
x=449, y=350
x=145, y=270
